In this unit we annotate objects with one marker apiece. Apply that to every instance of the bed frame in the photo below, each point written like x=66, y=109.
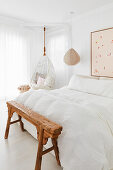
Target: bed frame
x=45, y=129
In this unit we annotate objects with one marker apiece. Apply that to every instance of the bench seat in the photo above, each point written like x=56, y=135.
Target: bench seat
x=45, y=129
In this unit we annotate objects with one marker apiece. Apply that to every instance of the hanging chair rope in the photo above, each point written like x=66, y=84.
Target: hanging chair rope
x=44, y=42
x=44, y=70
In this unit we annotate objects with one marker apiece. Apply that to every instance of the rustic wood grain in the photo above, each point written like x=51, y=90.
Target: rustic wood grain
x=40, y=149
x=45, y=129
x=56, y=150
x=36, y=119
x=21, y=123
x=10, y=113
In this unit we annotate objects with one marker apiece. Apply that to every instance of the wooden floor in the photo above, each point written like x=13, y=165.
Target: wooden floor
x=19, y=151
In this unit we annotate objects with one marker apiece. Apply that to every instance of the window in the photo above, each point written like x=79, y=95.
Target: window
x=57, y=45
x=14, y=60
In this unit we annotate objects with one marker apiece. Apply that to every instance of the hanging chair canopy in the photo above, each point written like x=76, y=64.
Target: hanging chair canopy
x=44, y=75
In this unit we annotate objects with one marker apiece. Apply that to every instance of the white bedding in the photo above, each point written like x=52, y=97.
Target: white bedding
x=86, y=142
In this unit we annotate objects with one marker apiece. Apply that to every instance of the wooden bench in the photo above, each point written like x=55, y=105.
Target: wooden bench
x=45, y=129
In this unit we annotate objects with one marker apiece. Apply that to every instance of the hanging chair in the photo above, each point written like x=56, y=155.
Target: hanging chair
x=44, y=75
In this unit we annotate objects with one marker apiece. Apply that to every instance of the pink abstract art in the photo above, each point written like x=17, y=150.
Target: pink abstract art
x=102, y=53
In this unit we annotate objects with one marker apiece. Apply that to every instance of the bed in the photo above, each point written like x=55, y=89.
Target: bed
x=85, y=111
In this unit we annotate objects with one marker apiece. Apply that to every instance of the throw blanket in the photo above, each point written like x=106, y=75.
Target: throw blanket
x=86, y=142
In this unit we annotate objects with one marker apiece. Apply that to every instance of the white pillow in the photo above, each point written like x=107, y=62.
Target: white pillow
x=40, y=81
x=92, y=86
x=49, y=82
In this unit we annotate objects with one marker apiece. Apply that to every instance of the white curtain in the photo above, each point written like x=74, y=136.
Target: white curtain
x=14, y=59
x=58, y=43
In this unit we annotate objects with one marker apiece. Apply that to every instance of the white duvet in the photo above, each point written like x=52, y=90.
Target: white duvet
x=86, y=142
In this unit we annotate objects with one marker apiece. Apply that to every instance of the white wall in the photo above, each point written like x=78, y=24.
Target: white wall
x=81, y=27
x=58, y=43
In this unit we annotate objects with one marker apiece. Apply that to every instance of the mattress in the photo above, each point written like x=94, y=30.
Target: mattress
x=87, y=120
x=73, y=96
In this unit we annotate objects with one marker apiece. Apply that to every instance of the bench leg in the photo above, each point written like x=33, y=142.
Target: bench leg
x=21, y=123
x=8, y=123
x=40, y=149
x=54, y=142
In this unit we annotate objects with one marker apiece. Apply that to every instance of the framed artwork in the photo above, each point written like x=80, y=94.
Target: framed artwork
x=102, y=53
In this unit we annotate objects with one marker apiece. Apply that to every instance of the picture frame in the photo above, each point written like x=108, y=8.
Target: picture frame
x=102, y=53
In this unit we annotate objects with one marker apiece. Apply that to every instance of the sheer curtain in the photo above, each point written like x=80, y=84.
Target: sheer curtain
x=14, y=59
x=58, y=43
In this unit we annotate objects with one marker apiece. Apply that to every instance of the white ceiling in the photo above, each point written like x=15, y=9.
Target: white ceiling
x=48, y=11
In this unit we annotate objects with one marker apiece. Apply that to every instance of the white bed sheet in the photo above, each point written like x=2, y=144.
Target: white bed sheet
x=87, y=138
